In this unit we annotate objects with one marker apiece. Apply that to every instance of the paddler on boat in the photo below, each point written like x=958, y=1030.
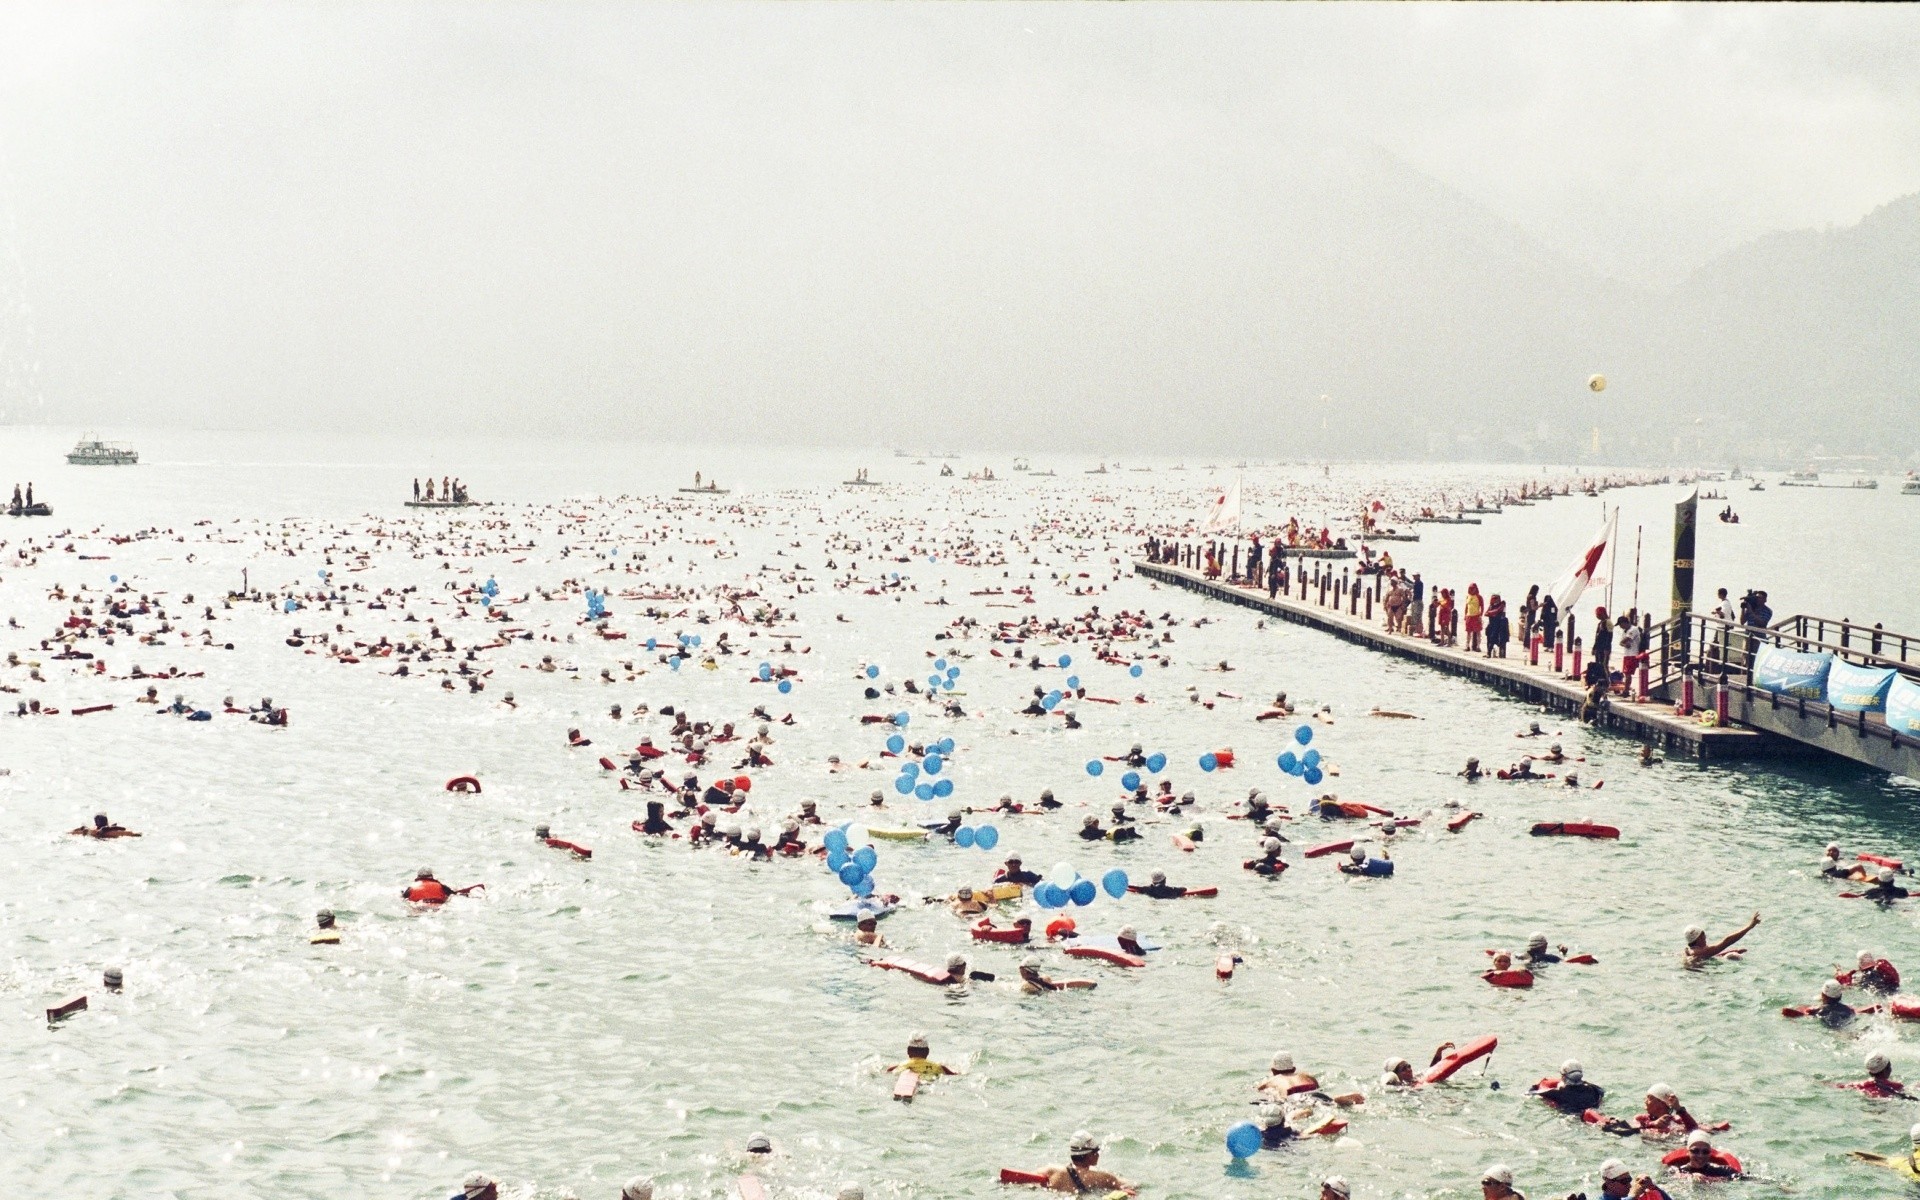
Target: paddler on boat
x=1570, y=1093
x=1699, y=949
x=1284, y=1078
x=919, y=1063
x=1082, y=1174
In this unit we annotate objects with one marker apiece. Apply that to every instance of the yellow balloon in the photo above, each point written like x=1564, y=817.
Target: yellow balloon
x=1597, y=382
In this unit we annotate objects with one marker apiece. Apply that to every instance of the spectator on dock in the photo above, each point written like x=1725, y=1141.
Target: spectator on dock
x=1549, y=622
x=1476, y=617
x=1602, y=664
x=1498, y=627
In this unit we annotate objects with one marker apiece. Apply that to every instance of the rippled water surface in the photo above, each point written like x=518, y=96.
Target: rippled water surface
x=648, y=1010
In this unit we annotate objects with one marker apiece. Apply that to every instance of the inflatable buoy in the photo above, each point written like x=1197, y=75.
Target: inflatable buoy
x=1479, y=1047
x=1574, y=829
x=1060, y=927
x=463, y=783
x=608, y=764
x=1509, y=979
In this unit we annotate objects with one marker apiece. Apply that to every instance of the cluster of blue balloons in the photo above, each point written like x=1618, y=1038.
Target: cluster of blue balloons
x=766, y=673
x=942, y=679
x=854, y=867
x=986, y=837
x=1067, y=887
x=1305, y=766
x=911, y=780
x=596, y=605
x=1155, y=763
x=490, y=587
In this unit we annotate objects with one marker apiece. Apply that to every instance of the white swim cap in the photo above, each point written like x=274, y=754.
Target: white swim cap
x=1282, y=1062
x=1127, y=933
x=1884, y=874
x=1663, y=1093
x=1358, y=854
x=1270, y=845
x=1394, y=1064
x=956, y=962
x=1571, y=1071
x=1613, y=1168
x=1694, y=933
x=1090, y=820
x=1336, y=1185
x=424, y=873
x=917, y=1042
x=1831, y=989
x=1867, y=959
x=1271, y=1115
x=753, y=833
x=1030, y=963
x=1914, y=1134
x=1159, y=878
x=851, y=1191
x=1537, y=942
x=1876, y=1063
x=759, y=1143
x=640, y=1187
x=477, y=1183
x=1833, y=849
x=1082, y=1142
x=1699, y=1138
x=1497, y=1173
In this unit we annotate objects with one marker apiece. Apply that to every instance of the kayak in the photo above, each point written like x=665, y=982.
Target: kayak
x=897, y=835
x=1443, y=1070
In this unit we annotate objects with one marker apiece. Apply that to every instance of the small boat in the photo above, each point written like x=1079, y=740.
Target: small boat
x=1046, y=474
x=860, y=480
x=1020, y=464
x=40, y=509
x=1483, y=510
x=92, y=452
x=1316, y=552
x=1910, y=488
x=1804, y=476
x=711, y=489
x=1757, y=486
x=443, y=504
x=1445, y=520
x=1389, y=537
x=1099, y=470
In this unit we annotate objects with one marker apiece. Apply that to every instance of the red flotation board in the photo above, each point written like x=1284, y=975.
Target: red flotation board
x=906, y=1086
x=1182, y=842
x=1118, y=958
x=66, y=1010
x=1674, y=1158
x=1478, y=1048
x=1460, y=822
x=1330, y=848
x=920, y=971
x=92, y=708
x=463, y=783
x=985, y=931
x=1574, y=829
x=1509, y=979
x=1031, y=1178
x=577, y=851
x=1878, y=860
x=1907, y=1008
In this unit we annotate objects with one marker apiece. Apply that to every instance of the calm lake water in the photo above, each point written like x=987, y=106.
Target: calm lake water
x=581, y=1022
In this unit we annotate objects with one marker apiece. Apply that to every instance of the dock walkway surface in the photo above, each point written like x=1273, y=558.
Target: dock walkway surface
x=1652, y=721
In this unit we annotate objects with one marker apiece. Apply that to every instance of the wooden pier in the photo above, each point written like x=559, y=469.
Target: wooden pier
x=1653, y=721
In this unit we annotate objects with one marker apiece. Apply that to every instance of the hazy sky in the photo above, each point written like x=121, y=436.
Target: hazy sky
x=204, y=206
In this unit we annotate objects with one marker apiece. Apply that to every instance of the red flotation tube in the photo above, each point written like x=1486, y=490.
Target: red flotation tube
x=1031, y=1178
x=1907, y=1008
x=986, y=931
x=1460, y=822
x=579, y=851
x=1878, y=860
x=1118, y=958
x=1478, y=1048
x=608, y=764
x=1509, y=979
x=1330, y=848
x=463, y=783
x=1674, y=1158
x=1574, y=829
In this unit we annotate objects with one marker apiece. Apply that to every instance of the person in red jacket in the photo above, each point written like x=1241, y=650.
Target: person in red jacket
x=426, y=889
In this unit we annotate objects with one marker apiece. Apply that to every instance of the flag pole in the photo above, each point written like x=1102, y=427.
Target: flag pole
x=1613, y=552
x=1638, y=532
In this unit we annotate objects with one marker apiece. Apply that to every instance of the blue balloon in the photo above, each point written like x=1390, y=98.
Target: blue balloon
x=1134, y=670
x=785, y=686
x=944, y=745
x=866, y=858
x=486, y=602
x=1303, y=734
x=933, y=763
x=1311, y=758
x=939, y=664
x=1288, y=761
x=864, y=887
x=852, y=873
x=946, y=685
x=910, y=769
x=116, y=578
x=1130, y=780
x=674, y=663
x=1049, y=701
x=986, y=837
x=696, y=639
x=873, y=672
x=1312, y=775
x=1243, y=1140
x=1050, y=895
x=1066, y=660
x=1208, y=762
x=1073, y=683
x=1114, y=883
x=901, y=719
x=903, y=784
x=1083, y=892
x=835, y=838
x=963, y=837
x=896, y=743
x=653, y=643
x=837, y=859
x=953, y=672
x=1055, y=697
x=1156, y=763
x=1095, y=767
x=933, y=681
x=923, y=791
x=766, y=671
x=943, y=788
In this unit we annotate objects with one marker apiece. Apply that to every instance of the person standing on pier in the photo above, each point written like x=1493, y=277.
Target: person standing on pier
x=1602, y=646
x=1476, y=609
x=1549, y=622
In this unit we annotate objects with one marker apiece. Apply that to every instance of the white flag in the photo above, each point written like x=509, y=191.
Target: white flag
x=1223, y=515
x=1588, y=570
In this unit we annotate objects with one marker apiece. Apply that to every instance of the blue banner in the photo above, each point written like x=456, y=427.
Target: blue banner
x=1903, y=707
x=1858, y=689
x=1792, y=672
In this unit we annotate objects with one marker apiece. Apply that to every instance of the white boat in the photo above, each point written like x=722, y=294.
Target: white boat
x=90, y=451
x=1910, y=488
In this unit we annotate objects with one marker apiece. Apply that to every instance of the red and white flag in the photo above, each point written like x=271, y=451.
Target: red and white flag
x=1223, y=515
x=1588, y=570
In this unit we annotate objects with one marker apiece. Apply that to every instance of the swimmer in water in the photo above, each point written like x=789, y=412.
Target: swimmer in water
x=759, y=1143
x=1013, y=872
x=1699, y=949
x=640, y=1187
x=1554, y=754
x=1284, y=1078
x=1472, y=770
x=1398, y=1073
x=428, y=890
x=1570, y=1092
x=966, y=904
x=1082, y=1173
x=1880, y=1082
x=1269, y=862
x=866, y=929
x=1538, y=954
x=478, y=1186
x=1496, y=1183
x=1830, y=1008
x=919, y=1063
x=1047, y=801
x=1033, y=982
x=1129, y=941
x=1700, y=1160
x=1873, y=973
x=1883, y=887
x=102, y=828
x=1617, y=1182
x=328, y=934
x=1833, y=868
x=1335, y=1187
x=1090, y=830
x=1664, y=1115
x=1356, y=863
